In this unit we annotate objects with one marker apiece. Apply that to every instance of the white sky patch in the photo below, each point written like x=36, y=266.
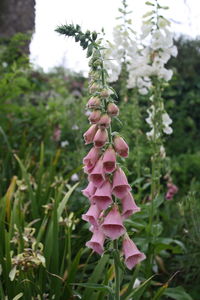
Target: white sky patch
x=49, y=49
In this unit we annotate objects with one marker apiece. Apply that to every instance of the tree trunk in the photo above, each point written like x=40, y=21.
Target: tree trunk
x=17, y=16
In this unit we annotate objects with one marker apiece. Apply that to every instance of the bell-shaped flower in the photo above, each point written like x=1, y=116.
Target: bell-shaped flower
x=100, y=137
x=120, y=184
x=97, y=241
x=94, y=102
x=121, y=146
x=95, y=116
x=103, y=195
x=92, y=215
x=109, y=160
x=104, y=121
x=112, y=109
x=89, y=134
x=132, y=255
x=129, y=206
x=112, y=226
x=97, y=176
x=91, y=158
x=90, y=190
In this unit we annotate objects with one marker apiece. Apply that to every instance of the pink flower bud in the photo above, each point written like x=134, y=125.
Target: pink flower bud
x=109, y=160
x=112, y=109
x=102, y=197
x=92, y=215
x=97, y=241
x=105, y=93
x=104, y=121
x=132, y=255
x=94, y=102
x=89, y=134
x=91, y=158
x=112, y=226
x=94, y=88
x=97, y=176
x=100, y=138
x=90, y=190
x=95, y=116
x=128, y=206
x=120, y=184
x=121, y=146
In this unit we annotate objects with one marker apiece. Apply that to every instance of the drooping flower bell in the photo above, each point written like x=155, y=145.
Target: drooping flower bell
x=120, y=184
x=121, y=146
x=128, y=206
x=109, y=160
x=103, y=195
x=132, y=255
x=97, y=241
x=113, y=226
x=100, y=138
x=89, y=134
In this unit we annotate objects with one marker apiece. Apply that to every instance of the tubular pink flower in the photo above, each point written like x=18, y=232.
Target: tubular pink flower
x=120, y=184
x=104, y=121
x=91, y=158
x=121, y=146
x=90, y=190
x=95, y=116
x=132, y=255
x=87, y=170
x=94, y=102
x=100, y=138
x=97, y=176
x=112, y=226
x=89, y=134
x=102, y=196
x=97, y=241
x=129, y=206
x=109, y=160
x=92, y=215
x=112, y=109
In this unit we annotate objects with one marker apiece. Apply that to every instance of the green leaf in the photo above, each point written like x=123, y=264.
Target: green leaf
x=160, y=292
x=63, y=203
x=177, y=293
x=13, y=273
x=18, y=296
x=138, y=292
x=90, y=50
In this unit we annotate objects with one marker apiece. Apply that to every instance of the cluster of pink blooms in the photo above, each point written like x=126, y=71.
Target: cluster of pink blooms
x=172, y=189
x=107, y=182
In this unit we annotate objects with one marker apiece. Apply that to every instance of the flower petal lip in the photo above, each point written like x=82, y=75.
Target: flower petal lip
x=97, y=241
x=97, y=176
x=129, y=206
x=103, y=197
x=120, y=184
x=89, y=134
x=132, y=255
x=113, y=226
x=91, y=158
x=100, y=138
x=121, y=146
x=109, y=160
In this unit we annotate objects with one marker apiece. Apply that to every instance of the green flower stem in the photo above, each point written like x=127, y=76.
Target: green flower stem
x=155, y=173
x=117, y=275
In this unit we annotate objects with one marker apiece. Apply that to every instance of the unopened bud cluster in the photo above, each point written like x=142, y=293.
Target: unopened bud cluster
x=108, y=190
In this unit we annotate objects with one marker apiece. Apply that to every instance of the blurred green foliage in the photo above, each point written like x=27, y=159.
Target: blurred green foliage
x=42, y=119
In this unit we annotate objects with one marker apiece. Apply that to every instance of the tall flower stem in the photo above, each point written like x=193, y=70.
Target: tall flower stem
x=117, y=274
x=155, y=171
